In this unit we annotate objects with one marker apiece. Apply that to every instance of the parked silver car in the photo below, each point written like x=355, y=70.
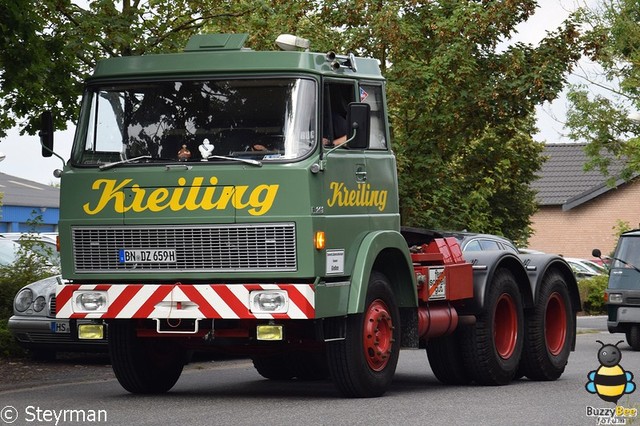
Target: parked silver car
x=35, y=327
x=584, y=268
x=44, y=245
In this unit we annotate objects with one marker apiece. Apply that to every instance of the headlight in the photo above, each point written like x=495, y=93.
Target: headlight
x=39, y=304
x=90, y=301
x=615, y=298
x=23, y=300
x=269, y=301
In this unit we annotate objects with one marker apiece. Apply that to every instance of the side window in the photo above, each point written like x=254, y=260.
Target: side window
x=473, y=246
x=337, y=97
x=372, y=95
x=489, y=245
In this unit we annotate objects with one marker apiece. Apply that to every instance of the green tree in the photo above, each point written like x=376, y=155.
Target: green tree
x=48, y=48
x=601, y=111
x=461, y=108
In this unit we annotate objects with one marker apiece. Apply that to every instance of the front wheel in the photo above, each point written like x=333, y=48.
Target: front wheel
x=633, y=337
x=492, y=348
x=143, y=365
x=363, y=364
x=550, y=331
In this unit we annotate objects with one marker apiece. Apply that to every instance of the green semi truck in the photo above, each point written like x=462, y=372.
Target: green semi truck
x=229, y=200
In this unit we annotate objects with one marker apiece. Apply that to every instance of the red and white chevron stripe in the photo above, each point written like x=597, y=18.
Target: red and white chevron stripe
x=186, y=301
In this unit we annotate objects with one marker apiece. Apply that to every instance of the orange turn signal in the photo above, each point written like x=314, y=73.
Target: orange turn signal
x=319, y=240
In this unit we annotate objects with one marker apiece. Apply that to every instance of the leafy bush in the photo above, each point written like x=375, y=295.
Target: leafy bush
x=592, y=294
x=8, y=345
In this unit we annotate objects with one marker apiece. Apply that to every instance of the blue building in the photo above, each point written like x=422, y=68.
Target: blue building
x=25, y=202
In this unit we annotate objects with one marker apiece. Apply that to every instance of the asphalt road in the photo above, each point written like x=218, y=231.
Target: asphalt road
x=232, y=393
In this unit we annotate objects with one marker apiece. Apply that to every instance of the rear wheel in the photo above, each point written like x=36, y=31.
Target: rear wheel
x=363, y=364
x=143, y=365
x=550, y=331
x=445, y=359
x=492, y=347
x=633, y=337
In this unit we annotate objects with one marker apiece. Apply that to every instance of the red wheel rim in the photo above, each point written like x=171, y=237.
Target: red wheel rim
x=377, y=335
x=505, y=327
x=555, y=324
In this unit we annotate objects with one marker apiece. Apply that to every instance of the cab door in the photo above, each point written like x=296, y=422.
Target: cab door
x=345, y=172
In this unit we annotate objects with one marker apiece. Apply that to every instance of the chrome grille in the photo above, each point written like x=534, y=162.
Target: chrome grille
x=52, y=306
x=233, y=247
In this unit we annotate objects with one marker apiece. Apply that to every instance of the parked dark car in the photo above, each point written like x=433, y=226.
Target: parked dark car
x=35, y=327
x=623, y=290
x=470, y=241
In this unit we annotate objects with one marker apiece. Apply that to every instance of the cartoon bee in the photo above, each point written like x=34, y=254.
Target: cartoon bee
x=610, y=381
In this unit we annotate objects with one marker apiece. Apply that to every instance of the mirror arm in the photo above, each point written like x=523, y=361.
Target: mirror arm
x=53, y=152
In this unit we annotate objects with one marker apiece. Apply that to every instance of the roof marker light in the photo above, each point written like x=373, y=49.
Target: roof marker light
x=290, y=42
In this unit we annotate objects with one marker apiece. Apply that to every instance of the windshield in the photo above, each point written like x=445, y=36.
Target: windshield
x=195, y=121
x=627, y=254
x=626, y=259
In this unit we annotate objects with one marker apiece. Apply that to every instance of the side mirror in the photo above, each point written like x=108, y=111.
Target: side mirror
x=596, y=253
x=358, y=119
x=46, y=133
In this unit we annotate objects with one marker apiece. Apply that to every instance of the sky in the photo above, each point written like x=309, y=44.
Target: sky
x=23, y=153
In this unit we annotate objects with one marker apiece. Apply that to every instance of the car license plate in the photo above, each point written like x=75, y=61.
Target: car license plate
x=147, y=255
x=60, y=327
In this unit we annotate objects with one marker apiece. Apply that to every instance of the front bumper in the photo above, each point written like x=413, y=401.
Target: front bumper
x=38, y=333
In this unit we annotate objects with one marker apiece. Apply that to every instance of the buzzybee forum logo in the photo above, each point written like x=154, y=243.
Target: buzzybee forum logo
x=610, y=381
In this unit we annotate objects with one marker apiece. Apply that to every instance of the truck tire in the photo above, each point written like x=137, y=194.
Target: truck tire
x=310, y=366
x=363, y=364
x=492, y=347
x=274, y=367
x=550, y=331
x=306, y=366
x=633, y=337
x=445, y=359
x=143, y=365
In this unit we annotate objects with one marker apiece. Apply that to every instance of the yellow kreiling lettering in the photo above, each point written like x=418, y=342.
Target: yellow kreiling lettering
x=257, y=201
x=363, y=196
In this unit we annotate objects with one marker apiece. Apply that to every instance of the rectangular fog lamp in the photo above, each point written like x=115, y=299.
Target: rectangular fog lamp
x=91, y=331
x=269, y=332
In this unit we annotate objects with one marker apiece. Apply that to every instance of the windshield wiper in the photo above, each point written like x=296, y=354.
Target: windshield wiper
x=242, y=160
x=627, y=263
x=116, y=163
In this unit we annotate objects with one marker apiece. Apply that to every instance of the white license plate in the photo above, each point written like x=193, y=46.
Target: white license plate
x=60, y=327
x=147, y=256
x=437, y=279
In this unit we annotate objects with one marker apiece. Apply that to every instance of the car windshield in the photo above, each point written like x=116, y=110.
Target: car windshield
x=8, y=252
x=168, y=121
x=627, y=253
